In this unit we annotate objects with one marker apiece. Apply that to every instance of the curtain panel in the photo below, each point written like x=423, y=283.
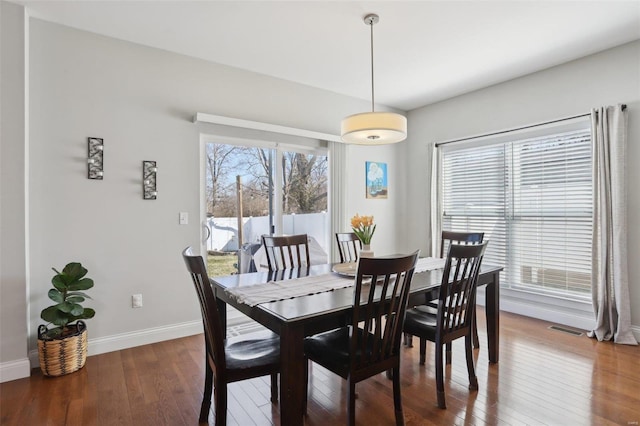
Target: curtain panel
x=436, y=199
x=610, y=279
x=337, y=195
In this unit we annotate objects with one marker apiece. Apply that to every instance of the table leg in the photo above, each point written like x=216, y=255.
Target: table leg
x=292, y=380
x=492, y=311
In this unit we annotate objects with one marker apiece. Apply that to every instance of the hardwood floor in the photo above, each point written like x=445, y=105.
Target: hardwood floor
x=544, y=377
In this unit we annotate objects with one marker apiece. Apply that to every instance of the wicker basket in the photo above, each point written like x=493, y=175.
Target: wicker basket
x=65, y=355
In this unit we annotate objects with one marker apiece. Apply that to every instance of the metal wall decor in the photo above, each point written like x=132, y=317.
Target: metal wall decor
x=149, y=171
x=95, y=156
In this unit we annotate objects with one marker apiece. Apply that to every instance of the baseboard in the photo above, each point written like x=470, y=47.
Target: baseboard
x=575, y=319
x=546, y=314
x=577, y=315
x=571, y=320
x=13, y=370
x=132, y=339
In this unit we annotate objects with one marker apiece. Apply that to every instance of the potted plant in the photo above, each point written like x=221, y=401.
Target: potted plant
x=63, y=348
x=364, y=228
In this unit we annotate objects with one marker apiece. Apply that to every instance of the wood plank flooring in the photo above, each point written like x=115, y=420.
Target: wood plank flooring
x=544, y=377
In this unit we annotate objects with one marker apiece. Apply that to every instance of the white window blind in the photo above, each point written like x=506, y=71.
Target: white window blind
x=533, y=200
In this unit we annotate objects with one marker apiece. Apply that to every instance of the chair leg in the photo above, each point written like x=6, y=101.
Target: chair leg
x=408, y=340
x=473, y=380
x=351, y=409
x=397, y=397
x=306, y=384
x=474, y=327
x=440, y=376
x=274, y=387
x=220, y=397
x=448, y=352
x=423, y=350
x=206, y=398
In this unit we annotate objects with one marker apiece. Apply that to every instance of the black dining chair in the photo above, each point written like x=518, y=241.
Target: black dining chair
x=455, y=237
x=453, y=318
x=448, y=238
x=287, y=251
x=228, y=360
x=371, y=344
x=349, y=245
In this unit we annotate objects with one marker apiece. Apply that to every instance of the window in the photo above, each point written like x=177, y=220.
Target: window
x=532, y=196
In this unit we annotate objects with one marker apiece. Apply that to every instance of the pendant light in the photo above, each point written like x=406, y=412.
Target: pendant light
x=374, y=128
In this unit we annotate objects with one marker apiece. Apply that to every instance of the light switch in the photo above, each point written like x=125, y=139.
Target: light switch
x=136, y=301
x=184, y=218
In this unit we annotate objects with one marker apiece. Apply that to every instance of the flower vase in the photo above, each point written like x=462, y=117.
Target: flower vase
x=366, y=251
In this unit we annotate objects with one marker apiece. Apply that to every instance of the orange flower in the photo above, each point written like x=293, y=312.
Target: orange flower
x=363, y=227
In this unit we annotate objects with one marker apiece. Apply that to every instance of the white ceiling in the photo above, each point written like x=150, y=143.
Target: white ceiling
x=425, y=51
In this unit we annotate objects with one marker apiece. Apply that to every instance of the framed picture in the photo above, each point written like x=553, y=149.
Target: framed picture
x=376, y=179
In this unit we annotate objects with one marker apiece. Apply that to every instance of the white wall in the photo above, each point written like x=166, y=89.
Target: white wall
x=13, y=260
x=606, y=78
x=141, y=101
x=389, y=214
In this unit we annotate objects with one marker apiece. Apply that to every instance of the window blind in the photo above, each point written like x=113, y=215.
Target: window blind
x=532, y=198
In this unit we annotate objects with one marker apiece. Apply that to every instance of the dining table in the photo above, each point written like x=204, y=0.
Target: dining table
x=294, y=316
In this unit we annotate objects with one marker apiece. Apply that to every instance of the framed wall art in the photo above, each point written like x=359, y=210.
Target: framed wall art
x=376, y=179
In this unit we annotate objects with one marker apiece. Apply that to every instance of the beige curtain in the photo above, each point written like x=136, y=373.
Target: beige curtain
x=610, y=280
x=436, y=199
x=337, y=195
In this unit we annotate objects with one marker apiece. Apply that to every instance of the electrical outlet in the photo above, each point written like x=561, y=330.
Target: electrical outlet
x=136, y=301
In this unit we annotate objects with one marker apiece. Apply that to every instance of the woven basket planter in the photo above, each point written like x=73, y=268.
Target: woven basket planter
x=64, y=355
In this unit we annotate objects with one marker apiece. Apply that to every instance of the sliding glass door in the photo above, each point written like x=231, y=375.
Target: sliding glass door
x=256, y=189
x=304, y=197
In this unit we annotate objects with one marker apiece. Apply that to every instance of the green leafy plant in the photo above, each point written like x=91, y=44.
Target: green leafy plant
x=68, y=295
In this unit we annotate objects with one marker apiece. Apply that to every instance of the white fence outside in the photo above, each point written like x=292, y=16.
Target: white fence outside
x=224, y=230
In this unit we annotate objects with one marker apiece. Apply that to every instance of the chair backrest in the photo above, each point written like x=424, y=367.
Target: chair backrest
x=284, y=252
x=348, y=246
x=379, y=337
x=457, y=298
x=213, y=333
x=454, y=237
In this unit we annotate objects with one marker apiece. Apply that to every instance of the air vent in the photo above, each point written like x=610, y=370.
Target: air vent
x=566, y=330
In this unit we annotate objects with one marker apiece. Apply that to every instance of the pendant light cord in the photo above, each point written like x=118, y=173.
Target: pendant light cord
x=372, y=85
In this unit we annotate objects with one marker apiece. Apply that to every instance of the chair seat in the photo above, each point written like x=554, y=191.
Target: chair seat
x=429, y=308
x=331, y=349
x=252, y=350
x=421, y=321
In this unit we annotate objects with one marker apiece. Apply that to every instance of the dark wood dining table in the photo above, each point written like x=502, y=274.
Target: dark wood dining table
x=294, y=319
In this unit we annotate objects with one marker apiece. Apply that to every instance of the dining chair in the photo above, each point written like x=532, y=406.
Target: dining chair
x=448, y=238
x=371, y=343
x=455, y=237
x=229, y=360
x=348, y=246
x=453, y=318
x=288, y=251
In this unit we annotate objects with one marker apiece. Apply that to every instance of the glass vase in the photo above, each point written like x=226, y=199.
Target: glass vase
x=366, y=251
